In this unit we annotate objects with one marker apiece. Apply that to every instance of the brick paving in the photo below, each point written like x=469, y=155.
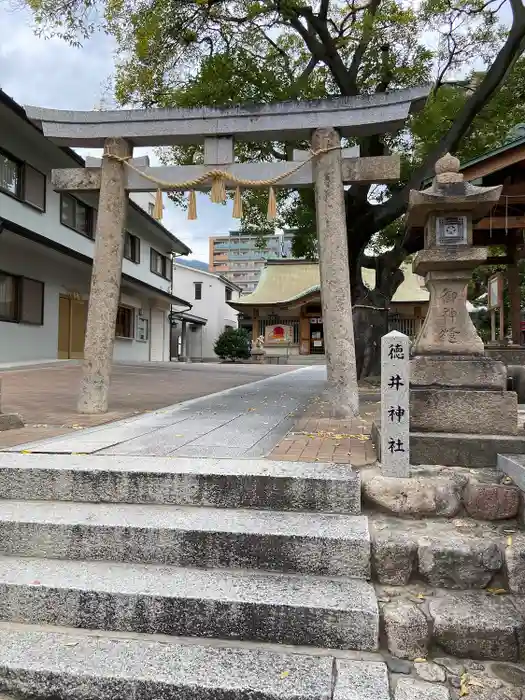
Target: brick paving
x=45, y=396
x=316, y=437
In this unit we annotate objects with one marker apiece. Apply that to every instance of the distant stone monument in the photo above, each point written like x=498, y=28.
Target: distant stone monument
x=457, y=394
x=258, y=352
x=395, y=417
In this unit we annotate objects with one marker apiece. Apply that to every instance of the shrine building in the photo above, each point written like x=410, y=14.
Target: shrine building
x=285, y=307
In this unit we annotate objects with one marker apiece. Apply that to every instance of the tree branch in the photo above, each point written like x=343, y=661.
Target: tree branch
x=366, y=36
x=394, y=207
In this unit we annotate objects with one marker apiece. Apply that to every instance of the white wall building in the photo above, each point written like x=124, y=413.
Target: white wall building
x=195, y=331
x=46, y=254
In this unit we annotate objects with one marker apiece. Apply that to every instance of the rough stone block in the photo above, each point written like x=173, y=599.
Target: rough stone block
x=406, y=629
x=477, y=626
x=73, y=666
x=515, y=561
x=361, y=680
x=409, y=689
x=264, y=607
x=480, y=373
x=461, y=411
x=10, y=421
x=459, y=562
x=413, y=496
x=429, y=671
x=491, y=501
x=393, y=558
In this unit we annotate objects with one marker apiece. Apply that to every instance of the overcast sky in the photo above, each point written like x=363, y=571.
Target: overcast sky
x=50, y=73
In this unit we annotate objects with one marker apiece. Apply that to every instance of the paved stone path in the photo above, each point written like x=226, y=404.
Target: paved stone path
x=241, y=422
x=45, y=395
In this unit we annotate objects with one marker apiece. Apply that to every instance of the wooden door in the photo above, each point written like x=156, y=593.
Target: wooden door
x=64, y=317
x=72, y=316
x=78, y=329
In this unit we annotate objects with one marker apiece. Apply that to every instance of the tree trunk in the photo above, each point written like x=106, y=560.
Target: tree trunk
x=370, y=308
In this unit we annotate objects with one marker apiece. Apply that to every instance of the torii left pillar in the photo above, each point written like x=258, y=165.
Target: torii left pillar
x=338, y=325
x=105, y=280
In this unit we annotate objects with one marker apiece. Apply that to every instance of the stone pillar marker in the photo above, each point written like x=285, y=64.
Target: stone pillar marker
x=335, y=275
x=395, y=418
x=105, y=280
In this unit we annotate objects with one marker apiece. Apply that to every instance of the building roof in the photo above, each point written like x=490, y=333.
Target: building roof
x=180, y=247
x=225, y=280
x=285, y=281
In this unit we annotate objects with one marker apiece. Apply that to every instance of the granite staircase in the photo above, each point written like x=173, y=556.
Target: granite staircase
x=189, y=579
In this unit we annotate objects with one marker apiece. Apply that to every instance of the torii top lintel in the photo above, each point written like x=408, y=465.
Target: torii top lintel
x=279, y=121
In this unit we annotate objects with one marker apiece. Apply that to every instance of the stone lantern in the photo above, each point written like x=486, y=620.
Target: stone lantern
x=455, y=391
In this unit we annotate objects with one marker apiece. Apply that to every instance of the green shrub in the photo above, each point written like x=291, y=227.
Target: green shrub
x=233, y=344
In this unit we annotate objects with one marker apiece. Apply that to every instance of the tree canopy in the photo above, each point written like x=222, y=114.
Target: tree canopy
x=225, y=52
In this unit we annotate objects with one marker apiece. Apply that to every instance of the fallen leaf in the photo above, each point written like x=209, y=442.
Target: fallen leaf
x=420, y=660
x=252, y=409
x=25, y=452
x=70, y=644
x=509, y=540
x=420, y=596
x=496, y=591
x=284, y=675
x=35, y=583
x=463, y=685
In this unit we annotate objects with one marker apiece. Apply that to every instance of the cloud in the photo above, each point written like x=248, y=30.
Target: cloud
x=51, y=73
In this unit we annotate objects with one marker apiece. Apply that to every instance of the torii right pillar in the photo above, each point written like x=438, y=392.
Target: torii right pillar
x=460, y=410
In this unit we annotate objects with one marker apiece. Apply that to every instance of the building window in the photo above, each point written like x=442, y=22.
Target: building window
x=10, y=175
x=132, y=248
x=34, y=188
x=198, y=290
x=31, y=302
x=76, y=215
x=160, y=264
x=21, y=300
x=8, y=297
x=22, y=181
x=124, y=327
x=228, y=293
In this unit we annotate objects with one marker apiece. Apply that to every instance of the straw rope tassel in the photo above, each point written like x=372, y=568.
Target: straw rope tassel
x=192, y=206
x=237, y=204
x=218, y=190
x=272, y=205
x=158, y=209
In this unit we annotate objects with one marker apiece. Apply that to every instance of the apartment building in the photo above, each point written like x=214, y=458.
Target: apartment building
x=239, y=258
x=46, y=251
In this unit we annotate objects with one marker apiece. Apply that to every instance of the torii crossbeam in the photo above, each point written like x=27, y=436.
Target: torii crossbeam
x=321, y=121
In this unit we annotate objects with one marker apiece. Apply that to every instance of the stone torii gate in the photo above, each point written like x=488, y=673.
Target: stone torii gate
x=321, y=121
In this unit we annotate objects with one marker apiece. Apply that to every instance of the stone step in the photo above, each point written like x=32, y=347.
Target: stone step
x=317, y=543
x=281, y=608
x=73, y=666
x=225, y=483
x=418, y=619
x=457, y=554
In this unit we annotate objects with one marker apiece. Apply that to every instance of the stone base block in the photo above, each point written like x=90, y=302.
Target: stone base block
x=10, y=421
x=464, y=411
x=456, y=449
x=478, y=373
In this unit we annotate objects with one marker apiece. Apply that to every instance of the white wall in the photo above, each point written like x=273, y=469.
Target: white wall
x=27, y=144
x=62, y=275
x=212, y=307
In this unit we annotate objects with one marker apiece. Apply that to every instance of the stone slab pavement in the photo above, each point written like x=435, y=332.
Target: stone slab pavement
x=241, y=422
x=45, y=394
